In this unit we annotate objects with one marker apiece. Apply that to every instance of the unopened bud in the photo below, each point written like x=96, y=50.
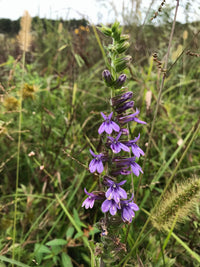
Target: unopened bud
x=125, y=106
x=119, y=99
x=120, y=81
x=122, y=47
x=124, y=37
x=105, y=30
x=121, y=63
x=107, y=77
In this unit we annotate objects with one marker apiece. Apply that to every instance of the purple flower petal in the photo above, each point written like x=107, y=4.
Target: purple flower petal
x=110, y=115
x=92, y=153
x=105, y=205
x=92, y=166
x=122, y=193
x=100, y=167
x=124, y=147
x=101, y=128
x=108, y=128
x=115, y=126
x=113, y=209
x=104, y=116
x=139, y=121
x=109, y=194
x=121, y=183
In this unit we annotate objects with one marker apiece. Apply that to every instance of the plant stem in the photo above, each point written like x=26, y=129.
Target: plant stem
x=18, y=157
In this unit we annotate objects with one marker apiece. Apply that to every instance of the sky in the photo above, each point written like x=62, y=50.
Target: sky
x=92, y=10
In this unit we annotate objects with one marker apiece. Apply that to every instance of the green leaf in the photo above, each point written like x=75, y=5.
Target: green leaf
x=76, y=218
x=66, y=260
x=78, y=235
x=41, y=249
x=56, y=242
x=17, y=263
x=79, y=60
x=70, y=232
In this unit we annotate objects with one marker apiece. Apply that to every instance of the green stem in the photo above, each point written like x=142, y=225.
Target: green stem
x=18, y=157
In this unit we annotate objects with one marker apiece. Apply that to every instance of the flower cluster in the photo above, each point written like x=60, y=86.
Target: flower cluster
x=114, y=130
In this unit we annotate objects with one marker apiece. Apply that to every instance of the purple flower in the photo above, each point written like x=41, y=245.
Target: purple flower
x=96, y=163
x=108, y=125
x=126, y=162
x=115, y=191
x=116, y=146
x=137, y=151
x=119, y=99
x=131, y=117
x=127, y=208
x=125, y=106
x=89, y=202
x=110, y=205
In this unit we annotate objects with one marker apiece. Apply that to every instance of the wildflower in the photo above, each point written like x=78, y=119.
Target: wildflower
x=89, y=201
x=108, y=125
x=137, y=151
x=115, y=191
x=110, y=205
x=128, y=207
x=126, y=162
x=131, y=117
x=125, y=106
x=96, y=163
x=117, y=146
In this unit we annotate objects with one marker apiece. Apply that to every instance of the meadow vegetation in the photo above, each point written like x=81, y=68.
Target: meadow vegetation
x=51, y=96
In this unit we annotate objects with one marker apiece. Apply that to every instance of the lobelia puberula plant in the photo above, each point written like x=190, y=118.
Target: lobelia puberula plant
x=118, y=155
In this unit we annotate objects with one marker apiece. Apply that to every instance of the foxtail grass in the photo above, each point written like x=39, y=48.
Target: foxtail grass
x=178, y=202
x=24, y=36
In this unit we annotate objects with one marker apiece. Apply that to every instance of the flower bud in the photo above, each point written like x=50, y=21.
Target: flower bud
x=122, y=47
x=120, y=81
x=124, y=37
x=105, y=30
x=107, y=77
x=125, y=106
x=119, y=99
x=116, y=31
x=121, y=63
